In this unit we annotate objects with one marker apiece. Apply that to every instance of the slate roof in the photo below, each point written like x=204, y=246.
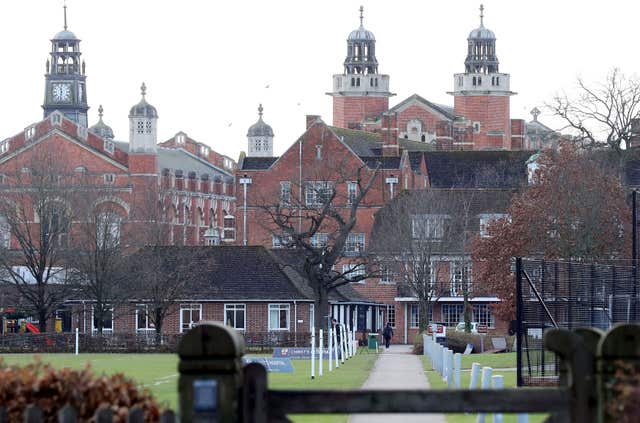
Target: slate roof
x=232, y=273
x=482, y=169
x=257, y=163
x=415, y=159
x=385, y=162
x=440, y=108
x=292, y=262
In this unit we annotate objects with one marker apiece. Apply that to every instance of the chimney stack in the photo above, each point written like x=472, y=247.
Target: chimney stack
x=390, y=134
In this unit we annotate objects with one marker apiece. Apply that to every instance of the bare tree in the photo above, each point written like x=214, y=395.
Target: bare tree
x=39, y=200
x=318, y=223
x=602, y=114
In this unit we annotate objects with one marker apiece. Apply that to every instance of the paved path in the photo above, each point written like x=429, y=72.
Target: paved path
x=397, y=368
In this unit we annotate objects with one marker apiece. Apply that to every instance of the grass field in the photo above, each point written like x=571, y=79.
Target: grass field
x=505, y=361
x=158, y=373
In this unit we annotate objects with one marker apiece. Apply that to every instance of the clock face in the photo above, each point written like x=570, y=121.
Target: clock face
x=61, y=92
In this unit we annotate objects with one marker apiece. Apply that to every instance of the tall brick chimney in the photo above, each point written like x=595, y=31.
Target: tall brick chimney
x=390, y=134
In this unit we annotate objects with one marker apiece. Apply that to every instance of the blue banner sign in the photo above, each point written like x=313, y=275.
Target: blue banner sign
x=301, y=353
x=273, y=365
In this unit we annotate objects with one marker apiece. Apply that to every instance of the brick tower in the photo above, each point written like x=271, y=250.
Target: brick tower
x=482, y=94
x=360, y=93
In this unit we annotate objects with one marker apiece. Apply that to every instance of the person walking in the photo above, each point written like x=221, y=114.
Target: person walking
x=387, y=334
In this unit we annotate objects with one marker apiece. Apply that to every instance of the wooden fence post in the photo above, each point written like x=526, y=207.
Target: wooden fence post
x=210, y=373
x=254, y=394
x=619, y=356
x=577, y=373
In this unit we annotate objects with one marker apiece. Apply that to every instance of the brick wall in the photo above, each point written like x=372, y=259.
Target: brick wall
x=352, y=110
x=493, y=113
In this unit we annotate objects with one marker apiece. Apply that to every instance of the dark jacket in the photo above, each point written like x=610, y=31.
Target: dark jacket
x=387, y=332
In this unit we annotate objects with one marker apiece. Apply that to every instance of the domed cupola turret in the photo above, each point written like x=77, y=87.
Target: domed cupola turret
x=481, y=54
x=361, y=51
x=143, y=119
x=65, y=79
x=260, y=138
x=101, y=129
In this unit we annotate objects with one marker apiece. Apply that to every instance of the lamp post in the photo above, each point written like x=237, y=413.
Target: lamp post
x=244, y=181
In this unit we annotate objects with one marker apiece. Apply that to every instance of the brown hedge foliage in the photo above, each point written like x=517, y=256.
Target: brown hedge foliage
x=51, y=389
x=623, y=406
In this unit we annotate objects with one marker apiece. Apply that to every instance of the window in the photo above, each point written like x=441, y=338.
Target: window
x=56, y=119
x=109, y=178
x=190, y=314
x=229, y=228
x=476, y=127
x=29, y=132
x=391, y=315
x=82, y=132
x=414, y=319
x=5, y=232
x=180, y=138
x=428, y=226
x=318, y=152
x=235, y=316
x=257, y=145
x=387, y=275
x=353, y=271
x=4, y=146
x=143, y=319
x=352, y=192
x=285, y=192
x=149, y=126
x=108, y=230
x=140, y=127
x=319, y=240
x=354, y=245
x=54, y=223
x=460, y=276
x=317, y=193
x=281, y=241
x=204, y=150
x=279, y=316
x=483, y=315
x=487, y=219
x=452, y=314
x=107, y=320
x=109, y=146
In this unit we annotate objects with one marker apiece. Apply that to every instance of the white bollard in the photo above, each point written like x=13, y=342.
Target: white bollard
x=77, y=342
x=449, y=368
x=330, y=349
x=313, y=353
x=425, y=345
x=485, y=383
x=475, y=376
x=497, y=382
x=457, y=367
x=439, y=358
x=522, y=418
x=443, y=369
x=320, y=348
x=335, y=346
x=349, y=343
x=355, y=342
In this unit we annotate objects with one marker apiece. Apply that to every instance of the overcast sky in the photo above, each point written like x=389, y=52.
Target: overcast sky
x=207, y=64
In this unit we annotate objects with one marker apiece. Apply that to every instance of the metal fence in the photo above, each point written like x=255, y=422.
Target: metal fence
x=567, y=295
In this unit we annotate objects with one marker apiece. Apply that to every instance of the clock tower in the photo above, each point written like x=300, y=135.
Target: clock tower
x=65, y=80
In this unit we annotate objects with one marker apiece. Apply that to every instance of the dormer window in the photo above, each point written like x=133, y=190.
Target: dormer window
x=109, y=146
x=204, y=150
x=180, y=138
x=4, y=146
x=30, y=132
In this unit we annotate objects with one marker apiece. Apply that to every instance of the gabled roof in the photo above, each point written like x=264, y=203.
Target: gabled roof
x=445, y=111
x=481, y=169
x=236, y=273
x=384, y=162
x=257, y=163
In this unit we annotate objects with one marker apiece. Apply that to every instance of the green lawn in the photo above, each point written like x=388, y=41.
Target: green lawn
x=495, y=361
x=158, y=373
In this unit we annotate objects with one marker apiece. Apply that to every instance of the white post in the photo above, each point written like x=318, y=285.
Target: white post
x=443, y=372
x=355, y=342
x=348, y=330
x=497, y=382
x=449, y=368
x=330, y=349
x=320, y=347
x=342, y=340
x=77, y=341
x=425, y=345
x=522, y=418
x=335, y=345
x=475, y=376
x=313, y=353
x=457, y=364
x=485, y=383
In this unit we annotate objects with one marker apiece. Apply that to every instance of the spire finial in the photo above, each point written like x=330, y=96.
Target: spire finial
x=143, y=89
x=482, y=15
x=260, y=109
x=65, y=15
x=361, y=14
x=100, y=111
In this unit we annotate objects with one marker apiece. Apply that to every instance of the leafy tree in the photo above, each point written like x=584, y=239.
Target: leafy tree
x=572, y=210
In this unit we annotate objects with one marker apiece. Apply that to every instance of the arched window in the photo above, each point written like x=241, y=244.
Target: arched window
x=229, y=229
x=54, y=224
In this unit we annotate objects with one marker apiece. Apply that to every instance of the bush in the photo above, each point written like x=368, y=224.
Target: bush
x=418, y=344
x=51, y=389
